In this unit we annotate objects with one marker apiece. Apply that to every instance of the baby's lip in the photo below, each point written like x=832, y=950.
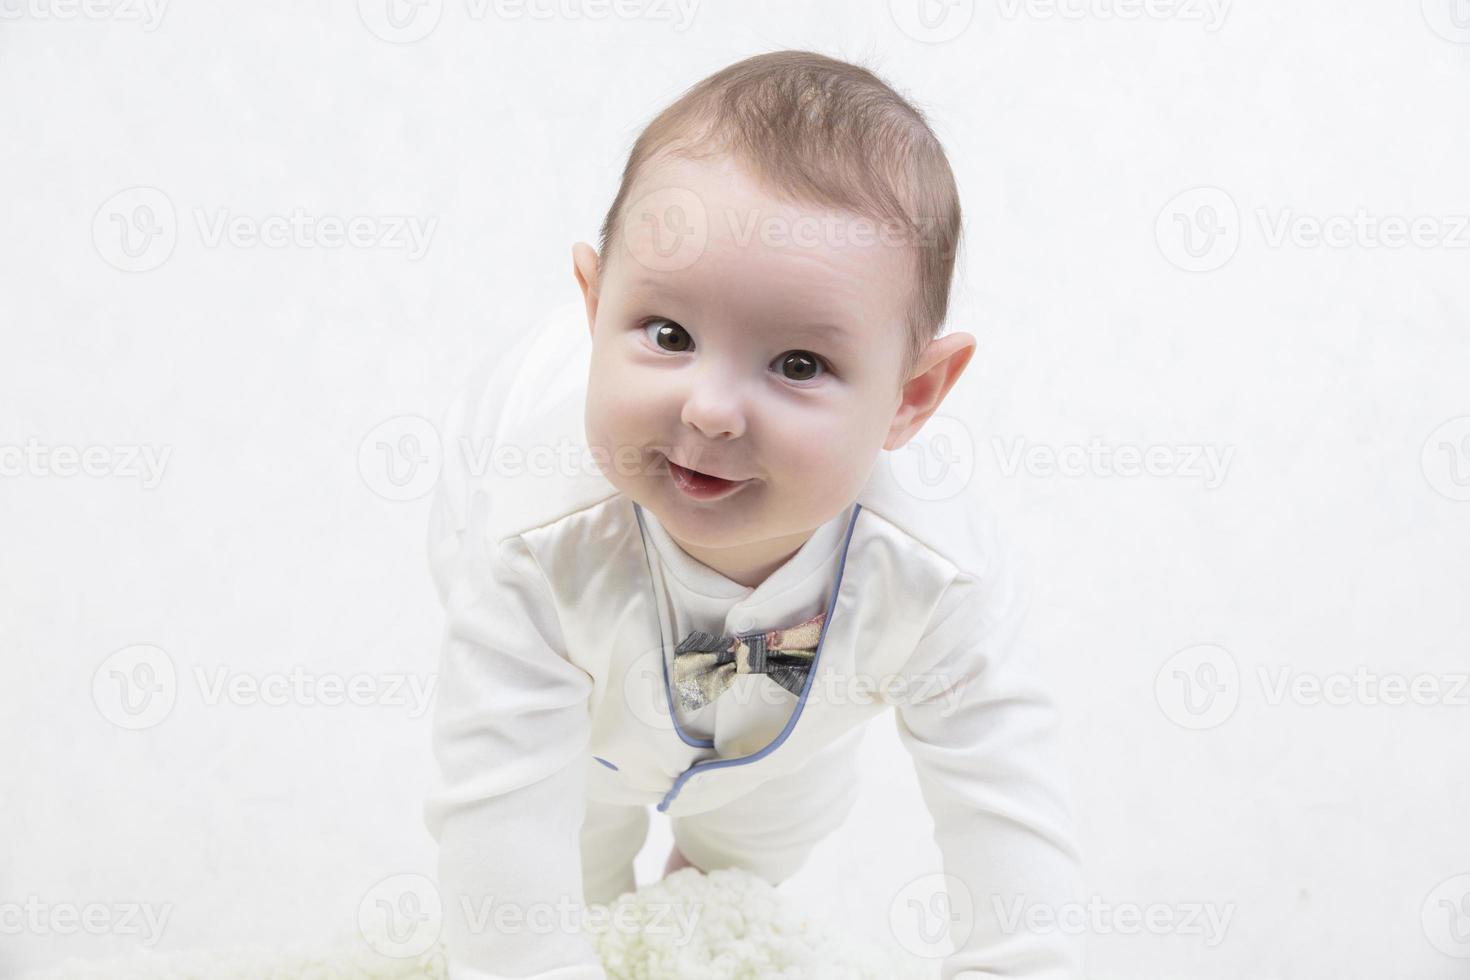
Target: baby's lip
x=716, y=473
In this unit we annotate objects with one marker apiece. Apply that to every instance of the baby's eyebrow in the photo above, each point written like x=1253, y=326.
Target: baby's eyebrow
x=830, y=332
x=654, y=285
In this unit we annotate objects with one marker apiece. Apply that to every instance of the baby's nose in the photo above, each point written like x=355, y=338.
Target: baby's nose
x=715, y=409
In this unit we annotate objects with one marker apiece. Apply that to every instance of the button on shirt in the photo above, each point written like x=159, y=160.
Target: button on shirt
x=693, y=596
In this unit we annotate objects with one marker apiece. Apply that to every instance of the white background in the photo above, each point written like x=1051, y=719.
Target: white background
x=1337, y=538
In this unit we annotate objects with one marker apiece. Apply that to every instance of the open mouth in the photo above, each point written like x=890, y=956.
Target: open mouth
x=701, y=486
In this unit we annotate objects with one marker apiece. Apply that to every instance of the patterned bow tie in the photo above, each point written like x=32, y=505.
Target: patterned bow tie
x=705, y=665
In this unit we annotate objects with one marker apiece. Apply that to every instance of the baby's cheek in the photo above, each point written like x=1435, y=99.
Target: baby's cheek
x=602, y=428
x=622, y=431
x=829, y=450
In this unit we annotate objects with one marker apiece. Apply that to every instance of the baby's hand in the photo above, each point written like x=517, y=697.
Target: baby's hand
x=676, y=861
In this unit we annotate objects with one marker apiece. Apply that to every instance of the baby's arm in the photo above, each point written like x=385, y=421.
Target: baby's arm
x=983, y=740
x=510, y=734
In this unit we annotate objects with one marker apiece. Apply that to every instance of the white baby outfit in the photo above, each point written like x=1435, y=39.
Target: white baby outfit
x=555, y=728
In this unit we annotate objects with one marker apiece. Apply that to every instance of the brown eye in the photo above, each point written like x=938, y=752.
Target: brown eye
x=800, y=365
x=668, y=335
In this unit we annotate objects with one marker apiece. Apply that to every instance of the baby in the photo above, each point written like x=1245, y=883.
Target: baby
x=687, y=579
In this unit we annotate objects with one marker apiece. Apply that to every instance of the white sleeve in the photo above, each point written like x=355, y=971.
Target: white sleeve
x=510, y=736
x=982, y=731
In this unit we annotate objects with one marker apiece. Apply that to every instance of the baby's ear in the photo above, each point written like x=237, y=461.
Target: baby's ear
x=586, y=267
x=939, y=367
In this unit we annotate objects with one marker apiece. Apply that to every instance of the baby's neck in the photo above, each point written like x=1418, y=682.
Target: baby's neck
x=748, y=565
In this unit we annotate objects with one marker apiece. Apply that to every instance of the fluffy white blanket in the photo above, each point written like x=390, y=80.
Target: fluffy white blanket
x=731, y=925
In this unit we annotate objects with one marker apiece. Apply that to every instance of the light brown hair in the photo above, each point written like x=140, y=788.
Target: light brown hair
x=815, y=130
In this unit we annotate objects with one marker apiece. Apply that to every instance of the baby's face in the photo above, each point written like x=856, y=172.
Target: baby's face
x=765, y=350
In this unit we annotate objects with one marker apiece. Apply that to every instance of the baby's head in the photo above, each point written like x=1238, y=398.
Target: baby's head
x=765, y=300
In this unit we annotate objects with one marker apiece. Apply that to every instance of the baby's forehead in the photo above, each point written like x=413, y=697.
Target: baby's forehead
x=710, y=218
x=721, y=183
x=724, y=277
